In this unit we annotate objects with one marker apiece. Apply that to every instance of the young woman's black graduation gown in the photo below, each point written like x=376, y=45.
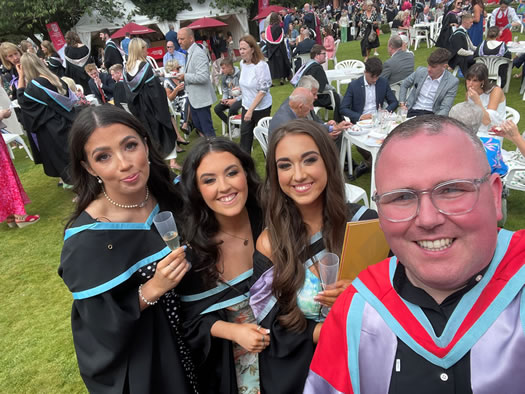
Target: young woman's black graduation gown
x=284, y=364
x=47, y=117
x=147, y=100
x=213, y=357
x=121, y=349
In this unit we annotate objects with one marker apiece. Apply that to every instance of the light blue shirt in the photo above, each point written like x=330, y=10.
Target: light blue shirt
x=175, y=56
x=124, y=44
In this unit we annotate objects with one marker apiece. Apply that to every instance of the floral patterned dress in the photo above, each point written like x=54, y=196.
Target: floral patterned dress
x=12, y=194
x=246, y=363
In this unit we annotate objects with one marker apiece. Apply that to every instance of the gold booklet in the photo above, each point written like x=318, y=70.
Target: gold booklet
x=364, y=245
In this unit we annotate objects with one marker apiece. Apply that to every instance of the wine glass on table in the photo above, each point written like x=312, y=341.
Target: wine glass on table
x=167, y=229
x=328, y=269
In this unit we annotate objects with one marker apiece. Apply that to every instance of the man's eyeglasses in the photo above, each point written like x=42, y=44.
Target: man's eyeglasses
x=454, y=197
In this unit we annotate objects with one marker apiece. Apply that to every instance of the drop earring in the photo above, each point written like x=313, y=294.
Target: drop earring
x=99, y=180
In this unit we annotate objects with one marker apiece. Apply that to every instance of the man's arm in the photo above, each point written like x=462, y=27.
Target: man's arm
x=319, y=74
x=405, y=85
x=347, y=105
x=198, y=70
x=390, y=99
x=447, y=102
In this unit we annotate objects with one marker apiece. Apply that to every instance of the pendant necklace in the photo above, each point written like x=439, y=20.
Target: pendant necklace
x=245, y=243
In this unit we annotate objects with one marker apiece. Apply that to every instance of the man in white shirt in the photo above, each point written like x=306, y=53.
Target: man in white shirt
x=433, y=87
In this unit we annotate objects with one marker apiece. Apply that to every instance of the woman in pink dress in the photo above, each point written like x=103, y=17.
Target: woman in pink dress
x=12, y=194
x=328, y=42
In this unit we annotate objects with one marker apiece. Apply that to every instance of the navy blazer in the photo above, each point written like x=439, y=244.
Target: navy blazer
x=354, y=101
x=108, y=85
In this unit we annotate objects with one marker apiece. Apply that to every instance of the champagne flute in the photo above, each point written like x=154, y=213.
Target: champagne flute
x=328, y=269
x=167, y=229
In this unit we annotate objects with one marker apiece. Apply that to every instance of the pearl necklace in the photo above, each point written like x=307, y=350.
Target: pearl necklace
x=139, y=205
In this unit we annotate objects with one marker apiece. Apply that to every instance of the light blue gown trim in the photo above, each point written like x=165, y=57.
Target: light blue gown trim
x=34, y=99
x=113, y=226
x=122, y=277
x=46, y=91
x=358, y=214
x=354, y=321
x=205, y=294
x=227, y=303
x=465, y=343
x=467, y=301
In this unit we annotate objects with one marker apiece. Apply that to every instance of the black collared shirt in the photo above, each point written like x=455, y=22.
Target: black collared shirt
x=412, y=373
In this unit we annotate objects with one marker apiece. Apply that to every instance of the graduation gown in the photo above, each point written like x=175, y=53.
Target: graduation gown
x=147, y=100
x=284, y=364
x=278, y=60
x=357, y=349
x=54, y=63
x=201, y=308
x=447, y=30
x=121, y=349
x=76, y=59
x=47, y=116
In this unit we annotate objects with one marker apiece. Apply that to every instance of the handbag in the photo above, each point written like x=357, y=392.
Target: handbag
x=372, y=36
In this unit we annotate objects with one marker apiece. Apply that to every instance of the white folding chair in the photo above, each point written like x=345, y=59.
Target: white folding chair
x=355, y=193
x=512, y=114
x=265, y=122
x=357, y=65
x=396, y=87
x=336, y=46
x=417, y=35
x=493, y=64
x=9, y=138
x=234, y=122
x=152, y=62
x=330, y=93
x=261, y=134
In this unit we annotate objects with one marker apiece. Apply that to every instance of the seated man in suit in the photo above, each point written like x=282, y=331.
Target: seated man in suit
x=300, y=106
x=461, y=46
x=100, y=84
x=303, y=47
x=363, y=97
x=401, y=63
x=315, y=69
x=434, y=88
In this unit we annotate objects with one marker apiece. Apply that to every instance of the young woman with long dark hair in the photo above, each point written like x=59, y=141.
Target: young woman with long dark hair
x=305, y=215
x=222, y=222
x=116, y=265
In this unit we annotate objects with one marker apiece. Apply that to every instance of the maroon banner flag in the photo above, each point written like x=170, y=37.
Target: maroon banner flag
x=57, y=38
x=263, y=4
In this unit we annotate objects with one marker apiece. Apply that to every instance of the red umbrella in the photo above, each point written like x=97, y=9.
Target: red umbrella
x=267, y=11
x=204, y=23
x=133, y=29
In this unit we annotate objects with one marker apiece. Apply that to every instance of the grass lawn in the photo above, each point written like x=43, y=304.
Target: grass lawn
x=35, y=337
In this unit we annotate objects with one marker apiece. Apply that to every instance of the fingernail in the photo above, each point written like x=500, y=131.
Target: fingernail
x=184, y=247
x=267, y=331
x=189, y=265
x=320, y=293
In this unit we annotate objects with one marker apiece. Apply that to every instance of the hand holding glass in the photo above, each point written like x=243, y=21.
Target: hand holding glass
x=167, y=229
x=328, y=269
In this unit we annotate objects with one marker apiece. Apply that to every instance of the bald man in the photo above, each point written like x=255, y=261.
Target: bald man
x=446, y=314
x=197, y=82
x=300, y=105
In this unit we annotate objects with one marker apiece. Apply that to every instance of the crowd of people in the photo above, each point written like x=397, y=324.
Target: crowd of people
x=237, y=307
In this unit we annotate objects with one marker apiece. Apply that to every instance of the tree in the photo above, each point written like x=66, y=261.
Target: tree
x=29, y=17
x=168, y=9
x=161, y=9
